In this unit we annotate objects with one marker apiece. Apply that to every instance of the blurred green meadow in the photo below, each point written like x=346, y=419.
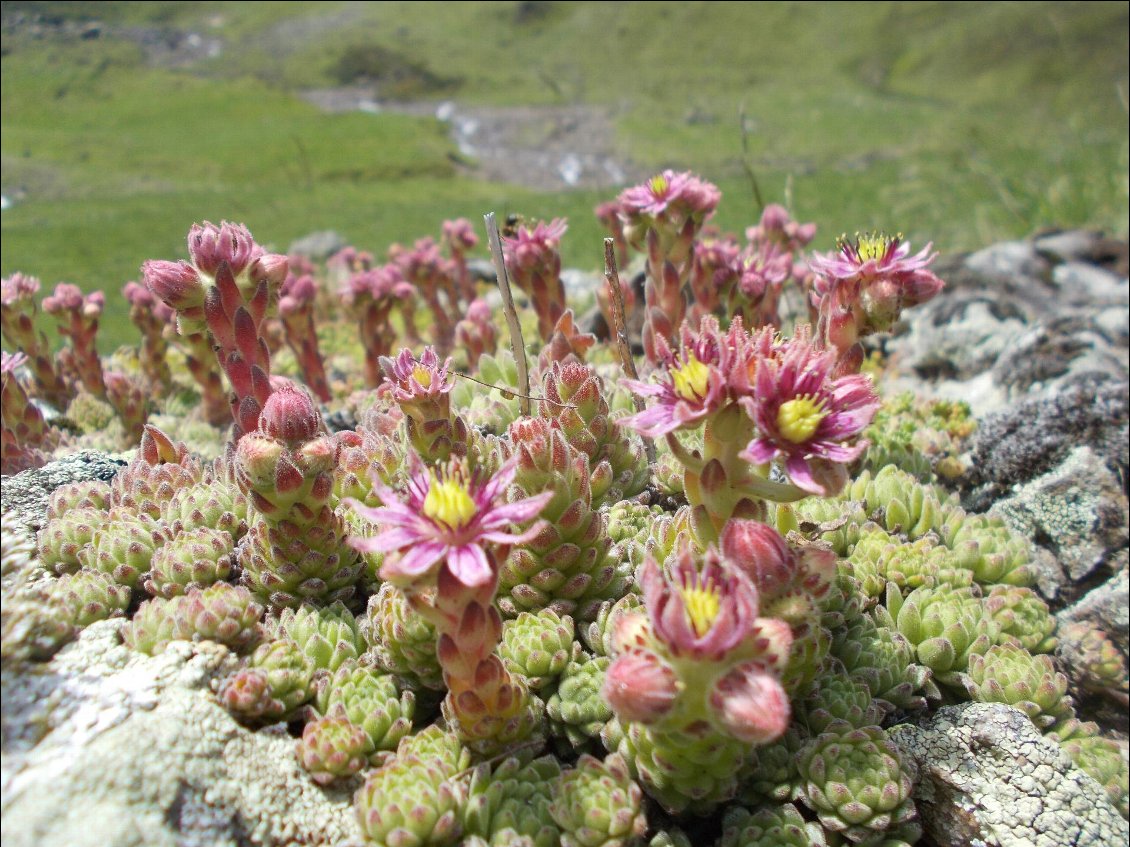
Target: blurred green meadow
x=960, y=123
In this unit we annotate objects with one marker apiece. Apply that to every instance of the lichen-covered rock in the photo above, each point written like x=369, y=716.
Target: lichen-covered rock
x=26, y=495
x=1078, y=507
x=147, y=758
x=970, y=789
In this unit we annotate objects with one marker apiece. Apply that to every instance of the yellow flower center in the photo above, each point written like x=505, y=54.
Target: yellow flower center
x=702, y=606
x=871, y=245
x=659, y=185
x=798, y=419
x=448, y=501
x=422, y=376
x=690, y=378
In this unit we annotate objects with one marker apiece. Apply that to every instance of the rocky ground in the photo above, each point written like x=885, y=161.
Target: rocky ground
x=1033, y=334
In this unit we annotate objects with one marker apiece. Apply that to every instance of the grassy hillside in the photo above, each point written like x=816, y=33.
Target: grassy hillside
x=959, y=123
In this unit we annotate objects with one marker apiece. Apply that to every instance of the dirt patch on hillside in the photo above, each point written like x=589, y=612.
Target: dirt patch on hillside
x=541, y=147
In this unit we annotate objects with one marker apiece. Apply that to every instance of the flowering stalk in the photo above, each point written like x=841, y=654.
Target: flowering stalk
x=22, y=428
x=662, y=217
x=77, y=318
x=449, y=535
x=201, y=363
x=296, y=548
x=863, y=287
x=130, y=400
x=533, y=263
x=227, y=291
x=741, y=387
x=475, y=333
x=296, y=309
x=17, y=321
x=459, y=236
x=715, y=273
x=431, y=274
x=699, y=672
x=422, y=387
x=151, y=316
x=370, y=296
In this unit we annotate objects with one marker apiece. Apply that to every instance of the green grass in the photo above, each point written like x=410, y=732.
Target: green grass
x=958, y=123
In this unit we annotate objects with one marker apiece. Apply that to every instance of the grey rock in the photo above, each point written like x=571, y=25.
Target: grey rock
x=318, y=246
x=1010, y=262
x=1068, y=245
x=138, y=752
x=1077, y=510
x=957, y=336
x=25, y=494
x=1059, y=351
x=1028, y=439
x=580, y=284
x=1107, y=606
x=1081, y=283
x=986, y=776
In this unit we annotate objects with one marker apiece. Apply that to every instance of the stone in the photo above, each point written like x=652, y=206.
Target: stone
x=1012, y=262
x=1077, y=510
x=137, y=753
x=318, y=246
x=986, y=776
x=25, y=494
x=1081, y=283
x=1107, y=606
x=1031, y=437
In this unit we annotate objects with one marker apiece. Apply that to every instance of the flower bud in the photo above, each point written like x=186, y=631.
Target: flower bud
x=640, y=686
x=761, y=552
x=291, y=416
x=751, y=704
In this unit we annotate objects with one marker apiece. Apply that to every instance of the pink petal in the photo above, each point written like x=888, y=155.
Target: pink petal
x=801, y=475
x=469, y=564
x=416, y=561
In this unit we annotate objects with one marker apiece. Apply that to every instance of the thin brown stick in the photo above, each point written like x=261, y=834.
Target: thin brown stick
x=517, y=345
x=616, y=296
x=506, y=392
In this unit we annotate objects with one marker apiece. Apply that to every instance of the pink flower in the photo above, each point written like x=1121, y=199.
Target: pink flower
x=694, y=384
x=778, y=228
x=804, y=415
x=670, y=194
x=889, y=279
x=530, y=248
x=17, y=287
x=702, y=613
x=640, y=686
x=419, y=382
x=450, y=516
x=460, y=234
x=751, y=703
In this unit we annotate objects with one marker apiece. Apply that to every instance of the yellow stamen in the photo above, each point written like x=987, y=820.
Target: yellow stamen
x=702, y=605
x=422, y=376
x=870, y=245
x=448, y=501
x=798, y=419
x=659, y=185
x=690, y=379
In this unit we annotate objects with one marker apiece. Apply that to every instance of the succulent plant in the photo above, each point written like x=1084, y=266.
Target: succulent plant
x=575, y=399
x=160, y=469
x=216, y=504
x=878, y=559
x=197, y=557
x=946, y=625
x=883, y=659
x=401, y=640
x=901, y=501
x=153, y=626
x=123, y=546
x=220, y=612
x=598, y=633
x=511, y=802
x=1022, y=614
x=1009, y=674
x=837, y=521
x=538, y=646
x=1001, y=556
x=597, y=804
x=770, y=776
x=89, y=596
x=410, y=801
x=566, y=567
x=1092, y=660
x=769, y=826
x=33, y=628
x=1105, y=760
x=437, y=746
x=62, y=539
x=370, y=700
x=838, y=700
x=277, y=680
x=855, y=782
x=91, y=494
x=328, y=636
x=576, y=711
x=332, y=748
